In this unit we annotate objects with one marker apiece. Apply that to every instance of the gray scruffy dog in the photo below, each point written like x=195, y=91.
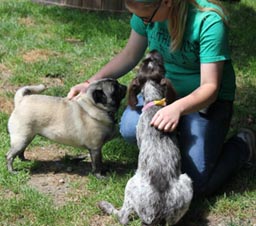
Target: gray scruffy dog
x=158, y=192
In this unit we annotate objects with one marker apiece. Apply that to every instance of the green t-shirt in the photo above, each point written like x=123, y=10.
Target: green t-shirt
x=205, y=41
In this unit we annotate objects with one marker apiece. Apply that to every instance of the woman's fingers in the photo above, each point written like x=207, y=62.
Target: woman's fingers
x=164, y=122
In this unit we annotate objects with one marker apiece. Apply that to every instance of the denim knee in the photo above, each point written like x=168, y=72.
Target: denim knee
x=128, y=123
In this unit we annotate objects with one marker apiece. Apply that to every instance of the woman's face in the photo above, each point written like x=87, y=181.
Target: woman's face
x=150, y=14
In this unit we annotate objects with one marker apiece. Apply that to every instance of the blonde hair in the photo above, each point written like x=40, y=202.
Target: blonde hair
x=178, y=16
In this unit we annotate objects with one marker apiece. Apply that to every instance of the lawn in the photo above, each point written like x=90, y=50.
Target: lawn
x=61, y=47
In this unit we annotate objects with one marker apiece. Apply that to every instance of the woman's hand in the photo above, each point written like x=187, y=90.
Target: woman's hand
x=78, y=89
x=166, y=119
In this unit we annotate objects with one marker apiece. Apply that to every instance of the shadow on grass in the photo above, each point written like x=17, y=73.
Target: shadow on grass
x=78, y=165
x=242, y=33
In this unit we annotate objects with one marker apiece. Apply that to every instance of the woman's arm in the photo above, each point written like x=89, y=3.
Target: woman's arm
x=168, y=117
x=119, y=65
x=125, y=60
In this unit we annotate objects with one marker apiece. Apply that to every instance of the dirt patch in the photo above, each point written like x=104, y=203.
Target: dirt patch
x=38, y=55
x=5, y=72
x=7, y=194
x=27, y=21
x=6, y=106
x=58, y=175
x=49, y=81
x=74, y=40
x=58, y=187
x=103, y=220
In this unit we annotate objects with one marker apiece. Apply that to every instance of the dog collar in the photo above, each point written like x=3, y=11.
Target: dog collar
x=161, y=102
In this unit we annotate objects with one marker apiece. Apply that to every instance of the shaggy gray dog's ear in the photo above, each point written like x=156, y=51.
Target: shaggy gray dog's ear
x=133, y=91
x=170, y=93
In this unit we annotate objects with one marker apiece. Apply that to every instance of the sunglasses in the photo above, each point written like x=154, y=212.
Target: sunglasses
x=148, y=20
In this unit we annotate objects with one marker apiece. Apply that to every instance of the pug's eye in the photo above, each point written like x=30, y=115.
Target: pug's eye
x=99, y=97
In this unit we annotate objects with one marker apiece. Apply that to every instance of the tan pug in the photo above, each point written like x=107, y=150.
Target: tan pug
x=87, y=121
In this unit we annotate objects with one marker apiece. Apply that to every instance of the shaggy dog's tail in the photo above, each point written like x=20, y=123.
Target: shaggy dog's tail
x=27, y=90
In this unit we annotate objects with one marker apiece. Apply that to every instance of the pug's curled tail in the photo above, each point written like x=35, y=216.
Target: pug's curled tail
x=27, y=90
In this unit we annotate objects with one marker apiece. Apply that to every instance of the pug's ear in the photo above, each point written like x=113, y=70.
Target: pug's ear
x=170, y=93
x=99, y=97
x=133, y=91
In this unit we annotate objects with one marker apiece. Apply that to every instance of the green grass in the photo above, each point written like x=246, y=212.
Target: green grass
x=62, y=47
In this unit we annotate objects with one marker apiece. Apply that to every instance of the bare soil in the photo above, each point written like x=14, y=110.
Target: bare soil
x=56, y=172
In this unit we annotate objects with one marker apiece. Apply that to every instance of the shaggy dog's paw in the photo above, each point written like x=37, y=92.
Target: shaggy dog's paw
x=99, y=176
x=106, y=207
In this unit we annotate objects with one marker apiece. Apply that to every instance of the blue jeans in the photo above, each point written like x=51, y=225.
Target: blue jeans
x=206, y=157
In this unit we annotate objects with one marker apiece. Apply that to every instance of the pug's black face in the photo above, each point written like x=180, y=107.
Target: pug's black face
x=107, y=93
